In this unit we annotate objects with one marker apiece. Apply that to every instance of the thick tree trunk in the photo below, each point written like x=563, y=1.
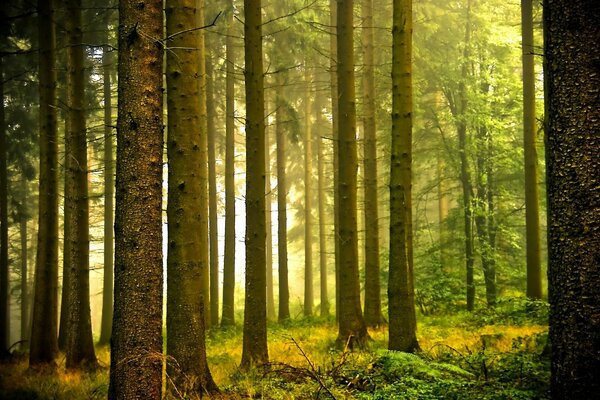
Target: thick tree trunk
x=308, y=237
x=284, y=292
x=532, y=195
x=228, y=316
x=401, y=297
x=187, y=207
x=373, y=316
x=254, y=349
x=352, y=328
x=80, y=344
x=572, y=73
x=44, y=344
x=136, y=351
x=109, y=184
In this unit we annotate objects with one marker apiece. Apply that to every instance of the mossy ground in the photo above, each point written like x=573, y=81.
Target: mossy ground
x=486, y=355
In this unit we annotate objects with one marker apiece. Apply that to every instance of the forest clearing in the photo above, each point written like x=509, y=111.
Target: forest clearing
x=463, y=357
x=299, y=199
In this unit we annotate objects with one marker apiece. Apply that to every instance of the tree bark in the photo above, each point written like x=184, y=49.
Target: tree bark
x=532, y=195
x=373, y=316
x=187, y=202
x=254, y=349
x=80, y=344
x=25, y=292
x=572, y=73
x=308, y=238
x=352, y=328
x=401, y=297
x=4, y=272
x=44, y=343
x=269, y=237
x=323, y=256
x=136, y=353
x=228, y=316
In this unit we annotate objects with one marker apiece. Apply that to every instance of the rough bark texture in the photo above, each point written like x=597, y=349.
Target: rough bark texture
x=532, y=195
x=572, y=72
x=63, y=328
x=401, y=297
x=136, y=354
x=80, y=344
x=373, y=316
x=308, y=237
x=284, y=291
x=4, y=275
x=44, y=345
x=213, y=233
x=228, y=316
x=187, y=208
x=109, y=191
x=254, y=349
x=352, y=326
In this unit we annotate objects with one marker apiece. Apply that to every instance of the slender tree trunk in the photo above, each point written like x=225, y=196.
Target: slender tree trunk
x=136, y=351
x=44, y=343
x=324, y=307
x=63, y=328
x=228, y=316
x=109, y=184
x=284, y=293
x=572, y=79
x=213, y=233
x=335, y=139
x=532, y=195
x=254, y=349
x=442, y=214
x=308, y=238
x=352, y=326
x=187, y=206
x=4, y=273
x=401, y=297
x=23, y=217
x=268, y=224
x=373, y=316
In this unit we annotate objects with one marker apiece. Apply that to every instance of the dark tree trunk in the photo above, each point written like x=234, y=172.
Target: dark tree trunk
x=136, y=354
x=255, y=314
x=44, y=343
x=4, y=273
x=572, y=74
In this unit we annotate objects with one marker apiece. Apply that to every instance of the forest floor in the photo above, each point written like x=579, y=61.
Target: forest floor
x=488, y=354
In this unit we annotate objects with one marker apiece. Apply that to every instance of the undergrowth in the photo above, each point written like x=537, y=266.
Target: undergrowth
x=497, y=354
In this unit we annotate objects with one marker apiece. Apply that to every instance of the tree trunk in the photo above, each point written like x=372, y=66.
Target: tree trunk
x=4, y=273
x=213, y=233
x=187, y=207
x=254, y=349
x=269, y=238
x=572, y=77
x=323, y=256
x=532, y=195
x=228, y=316
x=23, y=217
x=401, y=297
x=44, y=344
x=284, y=293
x=308, y=239
x=136, y=352
x=109, y=184
x=63, y=327
x=352, y=328
x=373, y=316
x=80, y=344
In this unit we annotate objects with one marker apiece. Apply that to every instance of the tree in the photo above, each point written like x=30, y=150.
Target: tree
x=308, y=236
x=136, y=354
x=532, y=218
x=186, y=210
x=228, y=316
x=44, y=344
x=401, y=297
x=352, y=326
x=109, y=183
x=571, y=38
x=268, y=224
x=373, y=316
x=255, y=314
x=80, y=345
x=4, y=273
x=282, y=191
